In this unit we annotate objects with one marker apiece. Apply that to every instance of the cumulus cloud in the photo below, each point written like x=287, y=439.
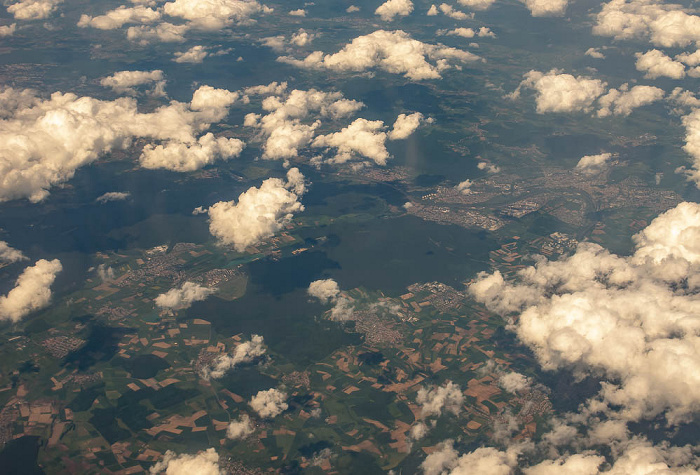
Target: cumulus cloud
x=591, y=164
x=405, y=125
x=656, y=64
x=560, y=92
x=391, y=51
x=112, y=196
x=241, y=428
x=8, y=30
x=164, y=32
x=433, y=401
x=119, y=17
x=634, y=455
x=213, y=14
x=393, y=8
x=9, y=254
x=663, y=24
x=45, y=141
x=352, y=9
x=270, y=403
x=283, y=128
x=244, y=353
x=186, y=15
x=186, y=157
x=299, y=12
x=477, y=4
x=691, y=122
x=33, y=9
x=624, y=100
x=513, y=382
x=485, y=460
x=325, y=290
x=32, y=290
x=546, y=8
x=363, y=137
x=126, y=82
x=302, y=37
x=488, y=167
x=464, y=187
x=482, y=32
x=203, y=463
x=183, y=297
x=259, y=212
x=105, y=273
x=630, y=319
x=194, y=55
x=328, y=291
x=595, y=53
x=453, y=13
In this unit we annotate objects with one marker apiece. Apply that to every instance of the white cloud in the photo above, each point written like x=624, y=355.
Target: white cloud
x=299, y=12
x=213, y=14
x=270, y=403
x=204, y=463
x=391, y=51
x=324, y=290
x=194, y=55
x=451, y=12
x=477, y=4
x=483, y=461
x=624, y=101
x=559, y=92
x=488, y=167
x=32, y=290
x=105, y=273
x=666, y=25
x=352, y=9
x=656, y=64
x=259, y=212
x=282, y=127
x=119, y=17
x=405, y=125
x=593, y=163
x=183, y=297
x=112, y=196
x=418, y=431
x=187, y=157
x=482, y=32
x=631, y=319
x=164, y=32
x=45, y=141
x=9, y=254
x=691, y=122
x=241, y=428
x=595, y=53
x=464, y=187
x=513, y=382
x=363, y=137
x=393, y=8
x=433, y=401
x=126, y=82
x=8, y=30
x=274, y=88
x=33, y=9
x=546, y=8
x=246, y=352
x=302, y=37
x=433, y=10
x=277, y=43
x=327, y=291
